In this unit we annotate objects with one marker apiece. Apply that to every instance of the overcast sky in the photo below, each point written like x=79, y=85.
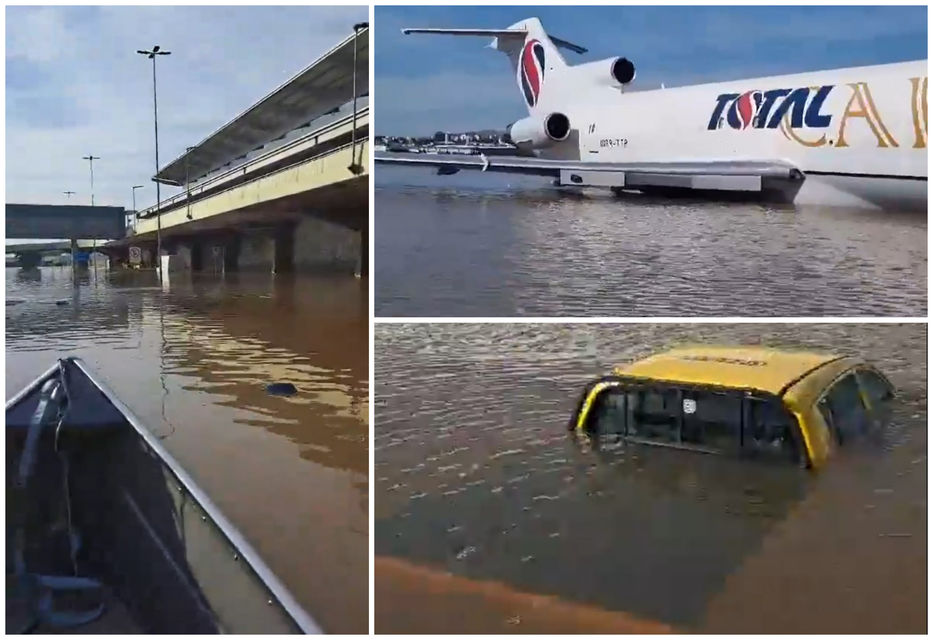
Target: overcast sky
x=75, y=85
x=426, y=83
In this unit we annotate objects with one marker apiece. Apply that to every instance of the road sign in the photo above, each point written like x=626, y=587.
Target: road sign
x=136, y=255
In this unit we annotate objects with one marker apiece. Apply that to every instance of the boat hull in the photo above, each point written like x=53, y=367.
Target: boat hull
x=163, y=551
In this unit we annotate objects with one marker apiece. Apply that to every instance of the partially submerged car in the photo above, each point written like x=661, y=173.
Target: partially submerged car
x=792, y=406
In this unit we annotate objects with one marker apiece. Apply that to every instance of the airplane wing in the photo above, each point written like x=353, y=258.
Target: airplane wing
x=715, y=175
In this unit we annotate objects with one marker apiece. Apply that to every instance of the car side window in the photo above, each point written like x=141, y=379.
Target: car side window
x=654, y=414
x=770, y=431
x=712, y=419
x=608, y=413
x=877, y=389
x=843, y=409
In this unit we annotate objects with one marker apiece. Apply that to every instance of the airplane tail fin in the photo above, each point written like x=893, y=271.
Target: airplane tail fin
x=534, y=54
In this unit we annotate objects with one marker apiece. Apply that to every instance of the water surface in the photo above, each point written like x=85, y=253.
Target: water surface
x=500, y=245
x=193, y=360
x=476, y=475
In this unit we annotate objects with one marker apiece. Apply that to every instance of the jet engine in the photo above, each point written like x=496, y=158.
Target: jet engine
x=537, y=133
x=615, y=72
x=622, y=70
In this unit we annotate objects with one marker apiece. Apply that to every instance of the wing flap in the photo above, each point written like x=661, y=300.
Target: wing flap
x=716, y=175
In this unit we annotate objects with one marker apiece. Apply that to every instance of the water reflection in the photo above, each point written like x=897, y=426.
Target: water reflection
x=192, y=359
x=507, y=246
x=477, y=475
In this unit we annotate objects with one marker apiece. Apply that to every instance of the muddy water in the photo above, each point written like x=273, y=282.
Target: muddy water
x=193, y=361
x=501, y=245
x=484, y=504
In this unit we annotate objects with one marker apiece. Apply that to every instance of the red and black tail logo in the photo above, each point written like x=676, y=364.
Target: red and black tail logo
x=531, y=71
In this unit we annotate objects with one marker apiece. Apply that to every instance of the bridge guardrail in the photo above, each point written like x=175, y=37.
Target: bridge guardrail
x=328, y=152
x=241, y=169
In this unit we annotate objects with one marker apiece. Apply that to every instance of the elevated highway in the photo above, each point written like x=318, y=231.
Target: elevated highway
x=282, y=186
x=64, y=221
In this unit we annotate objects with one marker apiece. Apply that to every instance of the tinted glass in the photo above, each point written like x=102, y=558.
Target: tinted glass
x=843, y=406
x=770, y=431
x=877, y=389
x=608, y=413
x=712, y=419
x=654, y=414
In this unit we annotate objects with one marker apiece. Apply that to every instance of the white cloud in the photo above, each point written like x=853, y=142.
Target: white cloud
x=80, y=65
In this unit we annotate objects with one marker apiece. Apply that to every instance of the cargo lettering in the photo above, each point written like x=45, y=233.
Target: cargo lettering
x=918, y=110
x=866, y=109
x=794, y=110
x=765, y=109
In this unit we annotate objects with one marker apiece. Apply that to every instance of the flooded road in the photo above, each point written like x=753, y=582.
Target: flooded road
x=490, y=518
x=501, y=245
x=193, y=362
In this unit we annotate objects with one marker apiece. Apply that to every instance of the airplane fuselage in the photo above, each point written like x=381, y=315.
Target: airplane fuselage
x=857, y=133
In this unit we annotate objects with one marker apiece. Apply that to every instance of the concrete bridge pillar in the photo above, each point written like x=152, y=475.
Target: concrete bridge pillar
x=284, y=259
x=212, y=255
x=256, y=252
x=320, y=245
x=362, y=263
x=178, y=256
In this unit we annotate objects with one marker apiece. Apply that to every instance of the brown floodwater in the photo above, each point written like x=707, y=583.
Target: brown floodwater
x=504, y=245
x=192, y=361
x=489, y=517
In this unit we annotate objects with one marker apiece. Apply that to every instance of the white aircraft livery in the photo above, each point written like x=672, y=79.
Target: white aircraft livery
x=854, y=136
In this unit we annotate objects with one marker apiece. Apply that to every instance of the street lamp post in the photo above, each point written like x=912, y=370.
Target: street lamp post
x=135, y=187
x=355, y=167
x=155, y=111
x=188, y=151
x=91, y=158
x=135, y=214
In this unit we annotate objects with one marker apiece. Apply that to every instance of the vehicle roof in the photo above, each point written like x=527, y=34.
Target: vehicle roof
x=758, y=368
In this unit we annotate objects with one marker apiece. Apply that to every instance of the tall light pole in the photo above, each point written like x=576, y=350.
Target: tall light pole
x=188, y=151
x=135, y=214
x=155, y=111
x=135, y=187
x=91, y=158
x=355, y=167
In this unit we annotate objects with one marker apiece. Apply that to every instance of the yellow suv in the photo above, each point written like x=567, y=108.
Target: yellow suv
x=750, y=401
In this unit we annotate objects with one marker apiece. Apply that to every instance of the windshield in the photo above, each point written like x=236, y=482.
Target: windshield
x=713, y=420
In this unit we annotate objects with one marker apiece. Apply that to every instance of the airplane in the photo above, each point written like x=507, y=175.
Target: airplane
x=854, y=136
